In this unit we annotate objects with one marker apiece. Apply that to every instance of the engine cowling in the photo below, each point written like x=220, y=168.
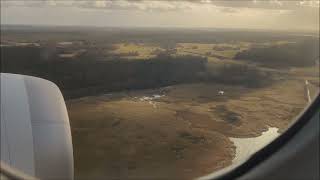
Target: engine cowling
x=35, y=129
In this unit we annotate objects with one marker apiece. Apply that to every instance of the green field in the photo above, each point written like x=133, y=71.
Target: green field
x=139, y=50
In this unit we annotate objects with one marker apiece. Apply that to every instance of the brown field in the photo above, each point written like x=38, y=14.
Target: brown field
x=180, y=131
x=184, y=133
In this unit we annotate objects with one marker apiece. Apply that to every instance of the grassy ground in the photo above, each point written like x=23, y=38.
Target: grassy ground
x=211, y=51
x=225, y=51
x=144, y=51
x=183, y=134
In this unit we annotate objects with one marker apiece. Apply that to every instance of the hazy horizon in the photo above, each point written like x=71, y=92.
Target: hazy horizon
x=309, y=31
x=253, y=14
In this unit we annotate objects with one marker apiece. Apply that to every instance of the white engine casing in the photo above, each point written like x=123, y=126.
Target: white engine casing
x=35, y=128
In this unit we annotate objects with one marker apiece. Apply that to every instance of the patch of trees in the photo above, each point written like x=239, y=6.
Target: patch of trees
x=87, y=76
x=240, y=74
x=301, y=54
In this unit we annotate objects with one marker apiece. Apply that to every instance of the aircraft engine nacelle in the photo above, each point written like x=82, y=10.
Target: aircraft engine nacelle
x=35, y=129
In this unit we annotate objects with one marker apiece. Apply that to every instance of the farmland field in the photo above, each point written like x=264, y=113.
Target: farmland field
x=145, y=103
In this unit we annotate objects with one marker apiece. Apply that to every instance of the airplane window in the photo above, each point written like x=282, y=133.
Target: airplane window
x=168, y=89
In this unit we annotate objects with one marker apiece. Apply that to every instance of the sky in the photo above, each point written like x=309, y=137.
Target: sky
x=251, y=14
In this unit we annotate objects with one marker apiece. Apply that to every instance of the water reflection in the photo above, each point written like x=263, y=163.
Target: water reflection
x=247, y=146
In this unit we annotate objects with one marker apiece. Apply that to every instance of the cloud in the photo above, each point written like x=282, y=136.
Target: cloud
x=268, y=4
x=141, y=5
x=167, y=5
x=188, y=13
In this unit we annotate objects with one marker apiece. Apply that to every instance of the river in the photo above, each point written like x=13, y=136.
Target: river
x=248, y=146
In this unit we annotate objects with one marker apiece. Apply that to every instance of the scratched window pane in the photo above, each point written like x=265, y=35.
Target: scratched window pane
x=168, y=89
